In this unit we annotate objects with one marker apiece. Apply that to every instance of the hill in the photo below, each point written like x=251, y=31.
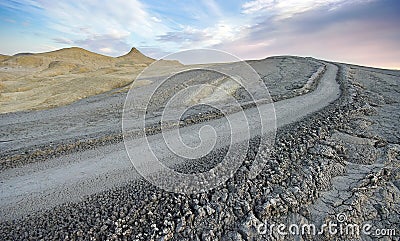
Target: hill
x=30, y=81
x=3, y=57
x=135, y=56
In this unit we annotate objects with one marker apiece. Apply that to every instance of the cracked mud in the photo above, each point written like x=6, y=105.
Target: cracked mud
x=341, y=158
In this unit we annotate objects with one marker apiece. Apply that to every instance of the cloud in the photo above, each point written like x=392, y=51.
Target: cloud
x=154, y=52
x=106, y=44
x=364, y=33
x=83, y=21
x=188, y=37
x=116, y=17
x=188, y=34
x=63, y=40
x=213, y=7
x=9, y=20
x=26, y=6
x=106, y=50
x=288, y=8
x=256, y=6
x=155, y=19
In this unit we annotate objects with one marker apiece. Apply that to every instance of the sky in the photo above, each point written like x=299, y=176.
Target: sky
x=363, y=32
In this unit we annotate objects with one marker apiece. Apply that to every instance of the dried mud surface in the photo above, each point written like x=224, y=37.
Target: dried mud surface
x=342, y=159
x=32, y=136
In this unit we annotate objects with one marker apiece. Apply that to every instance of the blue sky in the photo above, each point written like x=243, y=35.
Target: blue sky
x=364, y=32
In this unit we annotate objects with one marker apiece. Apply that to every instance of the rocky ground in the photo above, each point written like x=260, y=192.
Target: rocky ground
x=338, y=164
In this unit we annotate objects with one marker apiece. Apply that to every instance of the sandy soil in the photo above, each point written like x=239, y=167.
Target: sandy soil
x=46, y=80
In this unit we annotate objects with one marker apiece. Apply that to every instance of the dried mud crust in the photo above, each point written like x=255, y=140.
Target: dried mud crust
x=319, y=168
x=107, y=119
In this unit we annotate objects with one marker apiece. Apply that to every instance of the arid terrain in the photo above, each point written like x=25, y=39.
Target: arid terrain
x=65, y=172
x=41, y=81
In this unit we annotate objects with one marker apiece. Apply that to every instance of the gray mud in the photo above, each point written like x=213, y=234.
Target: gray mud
x=339, y=159
x=34, y=136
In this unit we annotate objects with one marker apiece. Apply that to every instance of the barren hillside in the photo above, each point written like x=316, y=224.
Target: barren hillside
x=44, y=80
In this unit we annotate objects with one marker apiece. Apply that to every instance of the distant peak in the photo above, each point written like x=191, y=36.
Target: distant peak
x=133, y=52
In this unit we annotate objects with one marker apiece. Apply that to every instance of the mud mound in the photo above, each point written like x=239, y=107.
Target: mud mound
x=79, y=56
x=45, y=80
x=3, y=57
x=62, y=68
x=23, y=61
x=134, y=57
